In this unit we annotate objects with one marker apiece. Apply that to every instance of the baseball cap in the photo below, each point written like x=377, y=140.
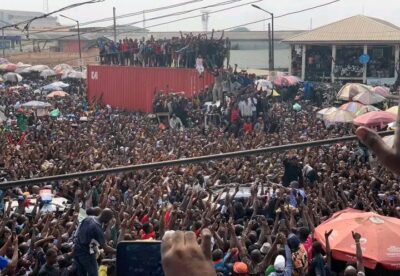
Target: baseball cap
x=240, y=267
x=279, y=263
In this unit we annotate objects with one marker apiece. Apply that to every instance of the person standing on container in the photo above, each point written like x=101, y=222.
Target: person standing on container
x=200, y=66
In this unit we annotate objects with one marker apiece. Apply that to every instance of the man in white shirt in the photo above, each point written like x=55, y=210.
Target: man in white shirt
x=175, y=122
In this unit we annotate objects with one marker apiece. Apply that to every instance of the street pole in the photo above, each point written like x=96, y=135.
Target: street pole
x=4, y=48
x=115, y=24
x=273, y=42
x=80, y=49
x=269, y=48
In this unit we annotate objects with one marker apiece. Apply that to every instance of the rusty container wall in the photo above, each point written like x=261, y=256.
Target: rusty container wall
x=133, y=88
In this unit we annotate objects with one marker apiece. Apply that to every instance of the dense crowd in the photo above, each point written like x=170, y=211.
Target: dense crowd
x=255, y=215
x=187, y=51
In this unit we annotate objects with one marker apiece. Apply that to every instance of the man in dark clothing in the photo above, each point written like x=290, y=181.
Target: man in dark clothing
x=293, y=172
x=88, y=237
x=50, y=268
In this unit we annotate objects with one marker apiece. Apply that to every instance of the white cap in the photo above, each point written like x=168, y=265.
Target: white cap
x=279, y=263
x=265, y=248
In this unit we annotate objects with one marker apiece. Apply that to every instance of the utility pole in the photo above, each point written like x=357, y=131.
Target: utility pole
x=144, y=20
x=115, y=25
x=269, y=48
x=272, y=35
x=272, y=42
x=4, y=43
x=79, y=39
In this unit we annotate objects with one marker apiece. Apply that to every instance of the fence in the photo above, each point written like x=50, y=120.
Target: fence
x=182, y=161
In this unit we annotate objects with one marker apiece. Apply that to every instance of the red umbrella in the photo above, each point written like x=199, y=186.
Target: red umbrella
x=375, y=118
x=8, y=67
x=380, y=238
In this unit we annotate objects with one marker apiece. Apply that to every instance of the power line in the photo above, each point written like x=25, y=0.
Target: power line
x=121, y=16
x=283, y=15
x=195, y=16
x=29, y=21
x=159, y=24
x=183, y=161
x=149, y=19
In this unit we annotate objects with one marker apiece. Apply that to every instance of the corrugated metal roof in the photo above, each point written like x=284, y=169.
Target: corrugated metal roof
x=355, y=29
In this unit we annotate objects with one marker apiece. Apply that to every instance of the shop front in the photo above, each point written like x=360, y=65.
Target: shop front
x=340, y=54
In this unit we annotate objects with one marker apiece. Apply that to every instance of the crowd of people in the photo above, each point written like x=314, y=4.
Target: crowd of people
x=268, y=231
x=188, y=51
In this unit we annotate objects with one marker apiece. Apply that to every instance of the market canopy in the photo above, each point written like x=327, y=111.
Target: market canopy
x=12, y=77
x=286, y=80
x=326, y=111
x=61, y=68
x=394, y=110
x=350, y=90
x=352, y=107
x=57, y=94
x=368, y=97
x=36, y=105
x=382, y=90
x=375, y=118
x=47, y=73
x=8, y=67
x=380, y=238
x=73, y=75
x=366, y=109
x=39, y=68
x=340, y=116
x=55, y=86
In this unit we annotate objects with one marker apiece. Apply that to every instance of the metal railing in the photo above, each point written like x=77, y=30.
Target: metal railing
x=183, y=161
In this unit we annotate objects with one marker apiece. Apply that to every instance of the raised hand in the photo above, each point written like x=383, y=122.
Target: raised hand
x=356, y=236
x=182, y=255
x=328, y=233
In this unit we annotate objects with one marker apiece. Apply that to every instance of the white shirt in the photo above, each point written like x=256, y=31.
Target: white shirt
x=175, y=123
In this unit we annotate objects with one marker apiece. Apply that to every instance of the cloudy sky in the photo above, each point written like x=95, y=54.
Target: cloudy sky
x=385, y=9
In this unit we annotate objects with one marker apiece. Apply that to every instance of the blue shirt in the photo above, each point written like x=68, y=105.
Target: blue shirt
x=3, y=263
x=88, y=235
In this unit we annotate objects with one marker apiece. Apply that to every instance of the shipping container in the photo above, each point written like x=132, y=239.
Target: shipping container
x=133, y=88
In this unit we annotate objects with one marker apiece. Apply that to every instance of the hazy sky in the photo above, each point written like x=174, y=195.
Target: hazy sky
x=385, y=9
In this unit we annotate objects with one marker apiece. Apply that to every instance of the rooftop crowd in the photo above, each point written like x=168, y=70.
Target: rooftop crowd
x=268, y=232
x=188, y=51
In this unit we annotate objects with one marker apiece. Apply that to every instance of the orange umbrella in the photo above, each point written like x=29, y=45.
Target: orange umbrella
x=380, y=242
x=57, y=94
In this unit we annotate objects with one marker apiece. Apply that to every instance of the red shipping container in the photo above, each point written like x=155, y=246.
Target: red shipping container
x=133, y=88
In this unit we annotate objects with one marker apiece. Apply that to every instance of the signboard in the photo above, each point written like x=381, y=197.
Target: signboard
x=364, y=59
x=5, y=44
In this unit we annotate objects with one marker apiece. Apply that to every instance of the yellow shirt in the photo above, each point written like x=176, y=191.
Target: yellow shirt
x=102, y=270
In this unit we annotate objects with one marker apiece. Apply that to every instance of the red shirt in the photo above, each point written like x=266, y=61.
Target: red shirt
x=157, y=50
x=125, y=47
x=144, y=236
x=248, y=128
x=235, y=114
